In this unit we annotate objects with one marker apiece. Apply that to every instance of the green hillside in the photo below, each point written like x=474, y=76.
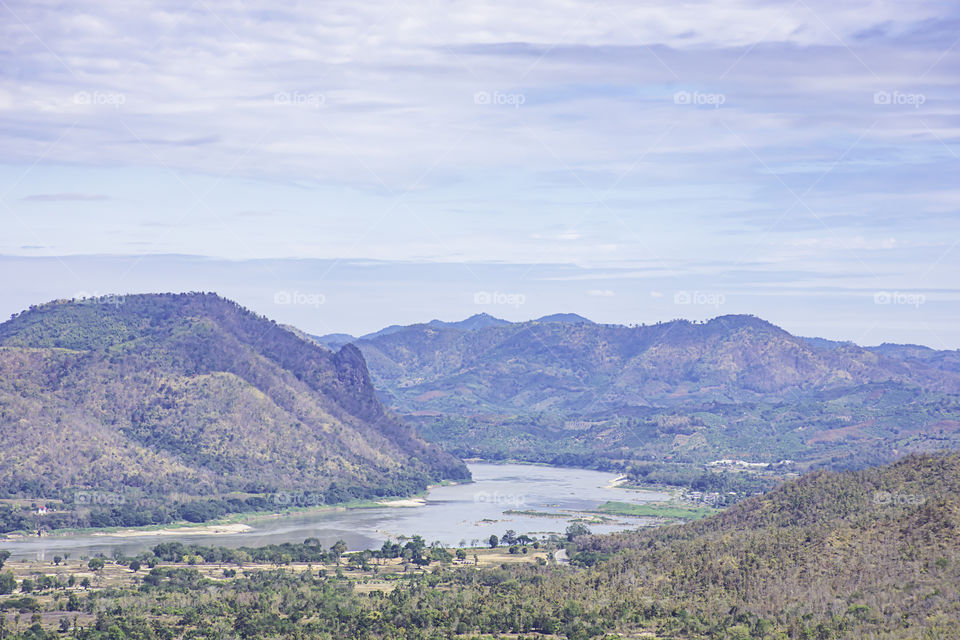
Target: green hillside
x=149, y=395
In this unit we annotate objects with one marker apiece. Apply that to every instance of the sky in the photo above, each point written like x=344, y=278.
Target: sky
x=344, y=166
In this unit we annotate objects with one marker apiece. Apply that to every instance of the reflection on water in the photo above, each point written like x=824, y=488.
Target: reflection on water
x=456, y=514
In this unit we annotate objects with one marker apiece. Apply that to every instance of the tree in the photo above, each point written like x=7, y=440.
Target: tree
x=510, y=537
x=577, y=529
x=8, y=583
x=493, y=541
x=96, y=564
x=4, y=556
x=337, y=550
x=134, y=565
x=26, y=585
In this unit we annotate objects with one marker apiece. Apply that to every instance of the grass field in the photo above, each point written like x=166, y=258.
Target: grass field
x=655, y=510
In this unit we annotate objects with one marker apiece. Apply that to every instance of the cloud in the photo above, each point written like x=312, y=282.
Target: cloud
x=664, y=137
x=601, y=293
x=854, y=242
x=559, y=235
x=64, y=197
x=293, y=91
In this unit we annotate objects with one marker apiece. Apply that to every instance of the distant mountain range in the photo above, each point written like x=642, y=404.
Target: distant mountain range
x=473, y=323
x=561, y=387
x=191, y=393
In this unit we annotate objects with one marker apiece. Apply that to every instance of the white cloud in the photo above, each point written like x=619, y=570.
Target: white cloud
x=597, y=165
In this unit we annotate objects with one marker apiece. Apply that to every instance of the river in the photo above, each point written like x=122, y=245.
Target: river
x=453, y=515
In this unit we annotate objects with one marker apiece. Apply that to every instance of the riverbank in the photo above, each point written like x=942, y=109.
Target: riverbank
x=403, y=502
x=228, y=524
x=202, y=530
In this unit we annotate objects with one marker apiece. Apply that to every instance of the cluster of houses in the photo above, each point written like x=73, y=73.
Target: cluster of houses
x=746, y=465
x=711, y=498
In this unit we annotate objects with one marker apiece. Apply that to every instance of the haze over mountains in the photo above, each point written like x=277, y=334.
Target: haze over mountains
x=733, y=386
x=192, y=393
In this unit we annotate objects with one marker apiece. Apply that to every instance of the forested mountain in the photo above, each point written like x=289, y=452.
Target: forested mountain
x=562, y=388
x=191, y=393
x=872, y=553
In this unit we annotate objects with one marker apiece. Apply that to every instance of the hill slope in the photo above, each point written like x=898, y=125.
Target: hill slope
x=847, y=554
x=557, y=389
x=193, y=394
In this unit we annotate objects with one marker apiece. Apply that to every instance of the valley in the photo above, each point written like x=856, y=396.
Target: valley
x=178, y=467
x=853, y=554
x=565, y=390
x=479, y=320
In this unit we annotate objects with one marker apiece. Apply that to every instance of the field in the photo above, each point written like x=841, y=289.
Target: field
x=656, y=510
x=51, y=606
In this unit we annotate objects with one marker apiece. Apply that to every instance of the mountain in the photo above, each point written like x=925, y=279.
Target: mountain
x=474, y=322
x=571, y=318
x=911, y=353
x=866, y=554
x=561, y=387
x=190, y=393
x=333, y=340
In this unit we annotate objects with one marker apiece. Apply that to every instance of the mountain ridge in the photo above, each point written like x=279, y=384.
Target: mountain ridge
x=193, y=393
x=680, y=389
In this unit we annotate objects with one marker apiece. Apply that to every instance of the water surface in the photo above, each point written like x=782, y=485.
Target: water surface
x=467, y=513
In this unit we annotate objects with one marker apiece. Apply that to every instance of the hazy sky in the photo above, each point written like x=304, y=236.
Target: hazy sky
x=344, y=165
